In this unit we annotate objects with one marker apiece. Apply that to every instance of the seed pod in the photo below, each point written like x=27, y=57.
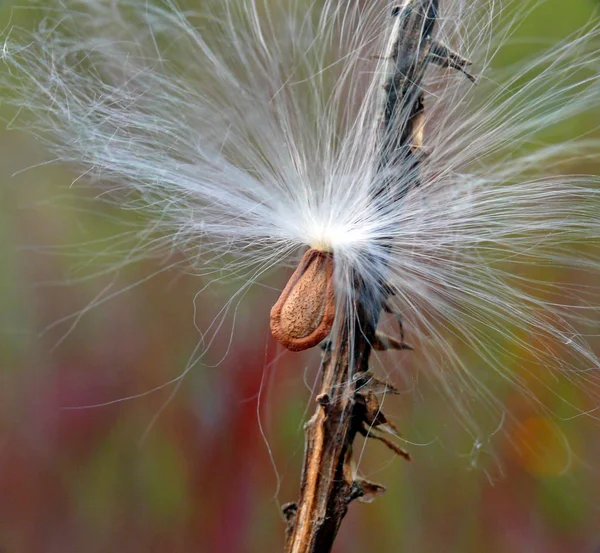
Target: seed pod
x=304, y=313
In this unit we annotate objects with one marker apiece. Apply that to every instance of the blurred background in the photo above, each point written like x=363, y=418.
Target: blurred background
x=91, y=461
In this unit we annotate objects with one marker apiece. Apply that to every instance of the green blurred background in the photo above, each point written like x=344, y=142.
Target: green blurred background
x=208, y=474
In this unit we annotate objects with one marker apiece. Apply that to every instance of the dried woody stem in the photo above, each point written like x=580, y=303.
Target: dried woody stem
x=327, y=485
x=347, y=401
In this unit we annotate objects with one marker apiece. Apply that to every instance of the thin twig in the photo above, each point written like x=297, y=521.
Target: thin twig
x=328, y=485
x=348, y=394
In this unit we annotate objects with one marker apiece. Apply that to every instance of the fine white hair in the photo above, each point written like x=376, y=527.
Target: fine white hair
x=245, y=130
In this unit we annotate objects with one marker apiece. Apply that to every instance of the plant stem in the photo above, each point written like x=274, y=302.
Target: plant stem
x=347, y=399
x=327, y=485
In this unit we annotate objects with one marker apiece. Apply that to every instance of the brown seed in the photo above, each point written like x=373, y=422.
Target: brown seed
x=304, y=313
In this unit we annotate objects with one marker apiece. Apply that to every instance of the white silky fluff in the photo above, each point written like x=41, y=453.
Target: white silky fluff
x=245, y=129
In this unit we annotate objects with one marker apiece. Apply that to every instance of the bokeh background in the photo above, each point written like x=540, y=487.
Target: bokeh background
x=90, y=462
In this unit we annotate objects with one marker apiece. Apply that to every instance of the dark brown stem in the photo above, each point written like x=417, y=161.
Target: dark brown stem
x=327, y=486
x=348, y=397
